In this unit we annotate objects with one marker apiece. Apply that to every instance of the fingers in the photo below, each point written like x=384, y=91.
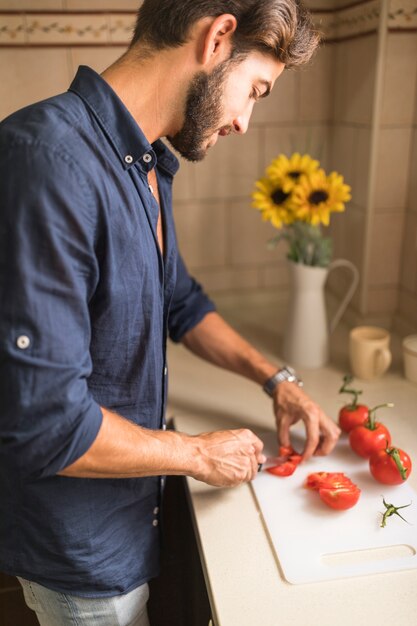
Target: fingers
x=293, y=404
x=228, y=458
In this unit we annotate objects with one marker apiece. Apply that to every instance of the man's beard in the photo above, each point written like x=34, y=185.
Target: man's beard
x=203, y=113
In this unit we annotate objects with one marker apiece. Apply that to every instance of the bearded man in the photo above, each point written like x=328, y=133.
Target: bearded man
x=92, y=285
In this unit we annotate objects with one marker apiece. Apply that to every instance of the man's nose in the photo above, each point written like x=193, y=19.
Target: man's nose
x=241, y=123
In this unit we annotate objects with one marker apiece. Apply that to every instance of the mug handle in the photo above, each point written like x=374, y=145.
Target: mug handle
x=383, y=360
x=349, y=294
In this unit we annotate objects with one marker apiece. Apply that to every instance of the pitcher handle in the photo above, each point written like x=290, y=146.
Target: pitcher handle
x=349, y=294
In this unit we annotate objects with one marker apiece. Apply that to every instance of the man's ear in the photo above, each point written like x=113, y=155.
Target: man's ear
x=216, y=40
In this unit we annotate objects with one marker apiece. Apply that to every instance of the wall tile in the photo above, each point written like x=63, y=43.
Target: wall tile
x=102, y=5
x=12, y=29
x=392, y=168
x=399, y=84
x=282, y=103
x=361, y=167
x=230, y=167
x=316, y=83
x=355, y=80
x=121, y=27
x=31, y=5
x=228, y=279
x=201, y=230
x=385, y=253
x=275, y=275
x=312, y=139
x=412, y=189
x=382, y=300
x=249, y=235
x=343, y=140
x=97, y=58
x=185, y=181
x=67, y=29
x=27, y=77
x=409, y=253
x=408, y=306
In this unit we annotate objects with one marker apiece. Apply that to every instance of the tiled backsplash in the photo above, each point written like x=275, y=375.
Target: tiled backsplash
x=327, y=109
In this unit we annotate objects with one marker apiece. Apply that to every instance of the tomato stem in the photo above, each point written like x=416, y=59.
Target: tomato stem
x=371, y=418
x=355, y=392
x=392, y=510
x=393, y=452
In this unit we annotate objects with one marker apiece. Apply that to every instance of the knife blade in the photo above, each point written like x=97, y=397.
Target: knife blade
x=272, y=461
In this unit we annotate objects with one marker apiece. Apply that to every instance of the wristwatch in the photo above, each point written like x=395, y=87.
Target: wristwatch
x=285, y=373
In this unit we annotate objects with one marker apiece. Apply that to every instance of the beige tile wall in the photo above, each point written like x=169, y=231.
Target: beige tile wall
x=393, y=261
x=325, y=110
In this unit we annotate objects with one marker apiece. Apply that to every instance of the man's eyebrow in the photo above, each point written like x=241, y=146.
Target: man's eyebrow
x=268, y=86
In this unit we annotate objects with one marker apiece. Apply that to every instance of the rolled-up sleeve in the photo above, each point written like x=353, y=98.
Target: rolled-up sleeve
x=189, y=304
x=48, y=271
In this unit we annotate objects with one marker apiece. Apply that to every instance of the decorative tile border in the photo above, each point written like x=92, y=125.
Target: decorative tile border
x=107, y=28
x=402, y=14
x=66, y=29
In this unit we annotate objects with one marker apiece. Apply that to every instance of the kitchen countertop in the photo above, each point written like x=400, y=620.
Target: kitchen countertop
x=244, y=582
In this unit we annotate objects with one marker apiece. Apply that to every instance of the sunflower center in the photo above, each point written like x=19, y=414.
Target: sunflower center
x=279, y=196
x=294, y=174
x=318, y=196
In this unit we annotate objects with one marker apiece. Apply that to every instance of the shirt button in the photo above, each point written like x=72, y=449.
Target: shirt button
x=155, y=522
x=151, y=188
x=23, y=342
x=128, y=158
x=156, y=510
x=147, y=158
x=165, y=370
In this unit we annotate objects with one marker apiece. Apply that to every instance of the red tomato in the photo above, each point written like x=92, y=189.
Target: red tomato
x=340, y=499
x=352, y=415
x=390, y=466
x=328, y=480
x=365, y=440
x=290, y=460
x=284, y=469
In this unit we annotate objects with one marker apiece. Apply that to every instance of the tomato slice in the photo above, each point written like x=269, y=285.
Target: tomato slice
x=329, y=480
x=284, y=469
x=341, y=498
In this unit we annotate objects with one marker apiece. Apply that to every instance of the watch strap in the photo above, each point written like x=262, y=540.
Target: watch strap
x=285, y=373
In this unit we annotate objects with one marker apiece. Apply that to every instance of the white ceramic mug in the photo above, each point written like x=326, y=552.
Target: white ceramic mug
x=410, y=358
x=369, y=351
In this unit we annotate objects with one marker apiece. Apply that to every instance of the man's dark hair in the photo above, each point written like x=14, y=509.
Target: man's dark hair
x=282, y=28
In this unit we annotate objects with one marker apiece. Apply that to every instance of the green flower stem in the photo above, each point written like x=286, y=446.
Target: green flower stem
x=371, y=419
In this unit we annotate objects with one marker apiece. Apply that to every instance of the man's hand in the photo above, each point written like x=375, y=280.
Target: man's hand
x=227, y=458
x=291, y=404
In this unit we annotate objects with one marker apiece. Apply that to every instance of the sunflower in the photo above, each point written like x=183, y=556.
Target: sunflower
x=287, y=171
x=273, y=202
x=318, y=195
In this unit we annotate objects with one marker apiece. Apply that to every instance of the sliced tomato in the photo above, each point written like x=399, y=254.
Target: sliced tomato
x=284, y=469
x=340, y=498
x=329, y=480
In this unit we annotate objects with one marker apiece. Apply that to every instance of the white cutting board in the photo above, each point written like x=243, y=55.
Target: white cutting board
x=313, y=542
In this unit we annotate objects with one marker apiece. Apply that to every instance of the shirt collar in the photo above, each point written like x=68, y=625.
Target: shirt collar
x=122, y=130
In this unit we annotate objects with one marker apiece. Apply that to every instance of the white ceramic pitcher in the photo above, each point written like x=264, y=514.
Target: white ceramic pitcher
x=306, y=338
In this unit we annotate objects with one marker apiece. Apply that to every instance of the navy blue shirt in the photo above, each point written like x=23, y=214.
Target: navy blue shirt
x=86, y=304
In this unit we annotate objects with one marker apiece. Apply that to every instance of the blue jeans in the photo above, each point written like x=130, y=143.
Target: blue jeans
x=54, y=608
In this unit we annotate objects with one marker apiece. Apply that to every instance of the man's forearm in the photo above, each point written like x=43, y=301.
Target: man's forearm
x=215, y=341
x=124, y=450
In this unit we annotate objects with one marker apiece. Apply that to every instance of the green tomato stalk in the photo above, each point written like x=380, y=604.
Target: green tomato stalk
x=395, y=455
x=392, y=510
x=371, y=421
x=347, y=379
